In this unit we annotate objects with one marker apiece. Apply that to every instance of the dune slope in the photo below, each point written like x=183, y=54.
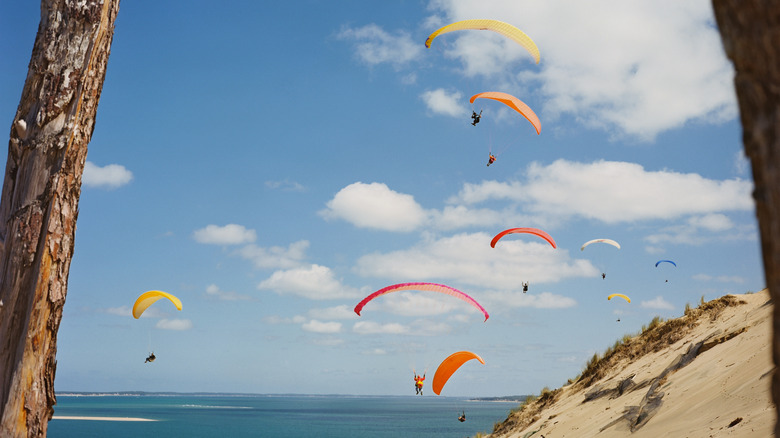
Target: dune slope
x=705, y=374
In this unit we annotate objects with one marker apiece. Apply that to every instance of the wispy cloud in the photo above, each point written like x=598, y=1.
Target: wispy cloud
x=374, y=45
x=231, y=234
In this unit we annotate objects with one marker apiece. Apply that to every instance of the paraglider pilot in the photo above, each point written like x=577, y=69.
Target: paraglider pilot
x=475, y=117
x=418, y=383
x=603, y=275
x=525, y=287
x=491, y=159
x=151, y=358
x=462, y=417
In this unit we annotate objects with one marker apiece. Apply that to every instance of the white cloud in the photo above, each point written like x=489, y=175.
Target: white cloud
x=337, y=312
x=315, y=326
x=174, y=324
x=468, y=259
x=230, y=234
x=544, y=300
x=120, y=311
x=374, y=45
x=213, y=290
x=610, y=70
x=741, y=163
x=658, y=303
x=314, y=282
x=375, y=206
x=371, y=327
x=415, y=304
x=276, y=320
x=276, y=256
x=613, y=191
x=440, y=101
x=110, y=176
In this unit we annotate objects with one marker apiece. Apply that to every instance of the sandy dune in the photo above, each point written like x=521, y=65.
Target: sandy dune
x=713, y=382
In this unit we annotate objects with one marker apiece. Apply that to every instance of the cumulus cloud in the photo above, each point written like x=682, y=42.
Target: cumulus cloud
x=612, y=192
x=609, y=71
x=441, y=101
x=230, y=234
x=315, y=326
x=658, y=303
x=375, y=206
x=314, y=282
x=276, y=256
x=174, y=324
x=110, y=176
x=466, y=259
x=374, y=45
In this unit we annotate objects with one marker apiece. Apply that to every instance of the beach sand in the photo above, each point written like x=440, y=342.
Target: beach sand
x=722, y=392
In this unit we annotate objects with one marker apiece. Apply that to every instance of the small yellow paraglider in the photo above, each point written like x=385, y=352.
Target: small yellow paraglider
x=148, y=298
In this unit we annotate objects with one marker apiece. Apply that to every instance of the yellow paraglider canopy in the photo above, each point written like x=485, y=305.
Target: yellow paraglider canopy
x=505, y=29
x=148, y=298
x=619, y=295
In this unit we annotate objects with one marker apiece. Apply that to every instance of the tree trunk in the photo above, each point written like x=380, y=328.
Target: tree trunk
x=750, y=30
x=39, y=204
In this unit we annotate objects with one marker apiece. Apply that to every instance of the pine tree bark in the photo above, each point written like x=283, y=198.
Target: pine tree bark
x=750, y=31
x=39, y=202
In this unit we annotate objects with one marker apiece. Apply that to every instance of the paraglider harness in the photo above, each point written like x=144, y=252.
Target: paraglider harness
x=151, y=358
x=462, y=417
x=418, y=383
x=491, y=159
x=525, y=287
x=475, y=117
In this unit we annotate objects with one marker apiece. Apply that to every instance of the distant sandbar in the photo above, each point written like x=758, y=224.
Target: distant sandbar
x=60, y=417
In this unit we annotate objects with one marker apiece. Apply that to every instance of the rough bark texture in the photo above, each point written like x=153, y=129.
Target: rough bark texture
x=750, y=30
x=39, y=205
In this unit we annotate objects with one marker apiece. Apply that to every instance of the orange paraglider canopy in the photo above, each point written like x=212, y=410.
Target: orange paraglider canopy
x=514, y=103
x=449, y=366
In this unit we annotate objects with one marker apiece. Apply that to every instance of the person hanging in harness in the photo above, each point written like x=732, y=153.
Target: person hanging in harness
x=491, y=159
x=525, y=287
x=475, y=117
x=462, y=417
x=151, y=358
x=418, y=383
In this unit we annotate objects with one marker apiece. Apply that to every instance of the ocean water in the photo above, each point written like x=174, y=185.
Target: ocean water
x=184, y=415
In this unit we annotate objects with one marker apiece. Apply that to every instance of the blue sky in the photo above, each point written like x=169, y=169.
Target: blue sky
x=272, y=163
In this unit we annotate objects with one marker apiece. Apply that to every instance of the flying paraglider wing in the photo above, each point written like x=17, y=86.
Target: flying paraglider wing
x=500, y=27
x=449, y=366
x=148, y=298
x=432, y=287
x=619, y=295
x=514, y=103
x=607, y=241
x=534, y=231
x=665, y=261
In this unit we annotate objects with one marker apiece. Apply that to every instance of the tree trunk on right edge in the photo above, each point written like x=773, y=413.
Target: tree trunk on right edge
x=750, y=30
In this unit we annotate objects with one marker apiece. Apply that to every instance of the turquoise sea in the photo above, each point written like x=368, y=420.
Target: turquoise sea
x=320, y=416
